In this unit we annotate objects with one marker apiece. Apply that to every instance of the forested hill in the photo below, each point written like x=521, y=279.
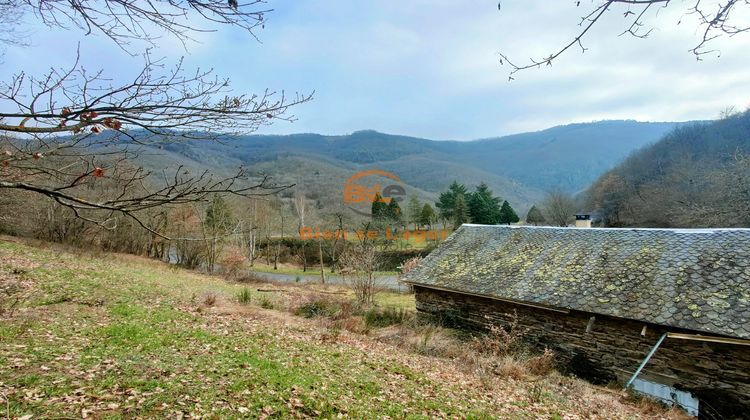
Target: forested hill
x=697, y=176
x=569, y=156
x=518, y=168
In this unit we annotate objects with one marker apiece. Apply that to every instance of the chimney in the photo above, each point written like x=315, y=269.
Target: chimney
x=583, y=220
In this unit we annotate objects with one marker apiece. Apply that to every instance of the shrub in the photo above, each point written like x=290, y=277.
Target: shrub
x=324, y=306
x=266, y=303
x=500, y=341
x=535, y=392
x=384, y=317
x=320, y=307
x=542, y=364
x=510, y=367
x=232, y=263
x=361, y=261
x=244, y=296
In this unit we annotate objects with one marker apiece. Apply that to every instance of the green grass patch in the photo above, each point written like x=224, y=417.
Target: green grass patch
x=121, y=336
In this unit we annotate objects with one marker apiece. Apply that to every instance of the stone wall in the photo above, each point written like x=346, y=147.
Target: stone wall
x=717, y=374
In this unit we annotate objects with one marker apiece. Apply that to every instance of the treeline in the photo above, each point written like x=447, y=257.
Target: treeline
x=196, y=235
x=696, y=176
x=308, y=253
x=221, y=234
x=417, y=214
x=458, y=205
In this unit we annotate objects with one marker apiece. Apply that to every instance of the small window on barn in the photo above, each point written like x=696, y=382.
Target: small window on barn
x=668, y=395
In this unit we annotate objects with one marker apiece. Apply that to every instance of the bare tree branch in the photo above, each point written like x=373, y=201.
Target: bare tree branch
x=76, y=136
x=158, y=100
x=124, y=21
x=714, y=21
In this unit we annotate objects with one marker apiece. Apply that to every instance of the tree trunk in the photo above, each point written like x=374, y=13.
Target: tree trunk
x=276, y=257
x=320, y=256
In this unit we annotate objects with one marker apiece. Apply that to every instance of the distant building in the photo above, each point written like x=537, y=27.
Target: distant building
x=603, y=299
x=583, y=220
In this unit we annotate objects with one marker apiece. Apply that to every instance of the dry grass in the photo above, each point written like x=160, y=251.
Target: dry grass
x=195, y=325
x=209, y=299
x=500, y=354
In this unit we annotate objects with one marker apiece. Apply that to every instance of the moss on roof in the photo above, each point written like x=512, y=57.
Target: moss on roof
x=693, y=279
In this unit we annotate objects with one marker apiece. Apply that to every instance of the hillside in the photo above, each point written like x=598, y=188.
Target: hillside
x=697, y=176
x=120, y=336
x=519, y=168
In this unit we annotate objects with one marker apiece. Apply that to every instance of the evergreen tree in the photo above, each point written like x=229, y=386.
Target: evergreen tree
x=379, y=208
x=427, y=215
x=460, y=212
x=507, y=214
x=446, y=203
x=535, y=216
x=414, y=211
x=393, y=212
x=484, y=208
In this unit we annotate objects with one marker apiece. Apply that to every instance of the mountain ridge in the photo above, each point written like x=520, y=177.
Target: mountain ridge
x=518, y=167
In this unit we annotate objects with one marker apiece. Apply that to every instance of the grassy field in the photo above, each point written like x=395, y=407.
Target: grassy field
x=110, y=336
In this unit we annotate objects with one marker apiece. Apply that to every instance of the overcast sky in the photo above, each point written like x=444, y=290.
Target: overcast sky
x=430, y=68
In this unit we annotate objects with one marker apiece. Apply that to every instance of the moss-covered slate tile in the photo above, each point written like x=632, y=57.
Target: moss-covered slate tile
x=696, y=279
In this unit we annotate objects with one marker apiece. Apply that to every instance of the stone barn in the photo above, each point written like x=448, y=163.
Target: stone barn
x=674, y=302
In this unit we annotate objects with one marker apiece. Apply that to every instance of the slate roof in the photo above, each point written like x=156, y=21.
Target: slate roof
x=696, y=279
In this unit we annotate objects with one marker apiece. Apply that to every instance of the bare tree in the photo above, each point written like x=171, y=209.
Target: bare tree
x=361, y=262
x=70, y=128
x=715, y=19
x=300, y=206
x=254, y=223
x=301, y=252
x=559, y=208
x=186, y=224
x=338, y=236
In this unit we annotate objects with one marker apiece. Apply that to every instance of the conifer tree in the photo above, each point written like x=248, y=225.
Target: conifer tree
x=507, y=214
x=446, y=203
x=427, y=216
x=460, y=212
x=379, y=208
x=484, y=208
x=393, y=212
